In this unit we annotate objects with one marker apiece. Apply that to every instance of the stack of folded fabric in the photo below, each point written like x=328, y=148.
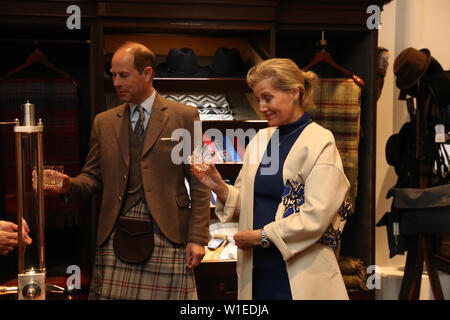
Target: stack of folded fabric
x=354, y=273
x=210, y=106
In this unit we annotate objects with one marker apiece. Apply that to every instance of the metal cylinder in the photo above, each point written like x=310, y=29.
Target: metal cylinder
x=30, y=204
x=28, y=115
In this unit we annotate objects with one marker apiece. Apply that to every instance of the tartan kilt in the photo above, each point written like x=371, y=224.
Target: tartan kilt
x=163, y=277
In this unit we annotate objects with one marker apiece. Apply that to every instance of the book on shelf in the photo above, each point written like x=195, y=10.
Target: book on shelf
x=228, y=147
x=221, y=151
x=239, y=148
x=212, y=149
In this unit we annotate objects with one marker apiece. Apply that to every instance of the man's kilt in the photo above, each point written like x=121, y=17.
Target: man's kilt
x=163, y=277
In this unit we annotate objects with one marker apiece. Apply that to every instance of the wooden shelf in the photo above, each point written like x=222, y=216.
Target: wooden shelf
x=193, y=85
x=204, y=85
x=222, y=125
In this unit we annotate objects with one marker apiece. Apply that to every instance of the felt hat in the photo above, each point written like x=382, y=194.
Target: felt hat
x=409, y=66
x=226, y=63
x=400, y=148
x=439, y=86
x=181, y=63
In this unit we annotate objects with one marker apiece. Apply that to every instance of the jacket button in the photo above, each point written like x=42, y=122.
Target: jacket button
x=124, y=178
x=120, y=198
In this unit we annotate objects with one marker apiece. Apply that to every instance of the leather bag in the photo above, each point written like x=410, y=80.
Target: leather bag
x=133, y=241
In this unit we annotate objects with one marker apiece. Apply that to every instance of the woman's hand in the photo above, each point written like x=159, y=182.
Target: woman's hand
x=208, y=175
x=247, y=239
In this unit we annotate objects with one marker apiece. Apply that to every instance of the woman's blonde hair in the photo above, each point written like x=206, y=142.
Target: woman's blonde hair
x=285, y=75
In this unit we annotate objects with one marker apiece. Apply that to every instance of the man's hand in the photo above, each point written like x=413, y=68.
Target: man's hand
x=25, y=230
x=8, y=236
x=66, y=185
x=64, y=189
x=194, y=254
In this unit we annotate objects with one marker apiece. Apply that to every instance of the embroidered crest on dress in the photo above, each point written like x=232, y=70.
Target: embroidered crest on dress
x=292, y=197
x=333, y=234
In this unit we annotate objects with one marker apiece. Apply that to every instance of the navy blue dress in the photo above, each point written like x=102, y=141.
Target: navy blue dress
x=270, y=279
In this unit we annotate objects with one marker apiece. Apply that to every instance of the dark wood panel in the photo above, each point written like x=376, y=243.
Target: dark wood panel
x=193, y=10
x=124, y=25
x=300, y=12
x=53, y=8
x=325, y=13
x=216, y=280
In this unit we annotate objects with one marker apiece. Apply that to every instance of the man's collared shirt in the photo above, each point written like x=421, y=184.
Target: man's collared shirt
x=148, y=105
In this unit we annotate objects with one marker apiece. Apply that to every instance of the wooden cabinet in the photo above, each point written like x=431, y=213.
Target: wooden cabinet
x=216, y=280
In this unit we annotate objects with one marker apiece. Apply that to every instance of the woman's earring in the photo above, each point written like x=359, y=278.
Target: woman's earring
x=295, y=101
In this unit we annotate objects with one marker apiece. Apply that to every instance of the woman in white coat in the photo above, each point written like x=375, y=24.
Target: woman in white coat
x=287, y=194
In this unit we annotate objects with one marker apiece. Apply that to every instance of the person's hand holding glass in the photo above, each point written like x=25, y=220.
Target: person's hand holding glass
x=54, y=180
x=203, y=168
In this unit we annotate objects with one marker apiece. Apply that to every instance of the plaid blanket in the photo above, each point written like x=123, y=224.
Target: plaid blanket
x=56, y=102
x=163, y=277
x=338, y=108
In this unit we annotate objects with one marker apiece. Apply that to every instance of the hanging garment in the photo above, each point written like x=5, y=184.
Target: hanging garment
x=338, y=108
x=57, y=104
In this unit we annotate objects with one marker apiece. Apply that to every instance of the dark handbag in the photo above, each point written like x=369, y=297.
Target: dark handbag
x=416, y=211
x=423, y=210
x=133, y=241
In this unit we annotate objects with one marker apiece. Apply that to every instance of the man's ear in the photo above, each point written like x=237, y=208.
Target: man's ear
x=148, y=73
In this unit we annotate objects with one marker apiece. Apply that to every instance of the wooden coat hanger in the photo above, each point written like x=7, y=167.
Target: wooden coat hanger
x=38, y=56
x=324, y=56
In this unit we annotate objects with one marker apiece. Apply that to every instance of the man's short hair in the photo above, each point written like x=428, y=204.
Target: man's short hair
x=143, y=56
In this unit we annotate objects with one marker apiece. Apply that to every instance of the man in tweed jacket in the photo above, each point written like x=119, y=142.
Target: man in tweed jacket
x=180, y=221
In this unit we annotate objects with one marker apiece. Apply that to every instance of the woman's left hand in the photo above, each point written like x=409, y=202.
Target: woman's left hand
x=247, y=239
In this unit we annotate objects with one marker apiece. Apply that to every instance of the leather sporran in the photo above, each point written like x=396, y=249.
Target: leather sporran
x=133, y=241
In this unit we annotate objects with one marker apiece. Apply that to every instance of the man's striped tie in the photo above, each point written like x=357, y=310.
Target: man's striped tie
x=139, y=127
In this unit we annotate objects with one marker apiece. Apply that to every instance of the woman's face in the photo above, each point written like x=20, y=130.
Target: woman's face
x=278, y=106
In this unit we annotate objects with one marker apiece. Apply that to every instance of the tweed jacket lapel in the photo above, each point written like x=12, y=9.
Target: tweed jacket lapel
x=157, y=121
x=122, y=129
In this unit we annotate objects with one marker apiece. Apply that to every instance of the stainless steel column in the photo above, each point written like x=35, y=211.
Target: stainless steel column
x=30, y=205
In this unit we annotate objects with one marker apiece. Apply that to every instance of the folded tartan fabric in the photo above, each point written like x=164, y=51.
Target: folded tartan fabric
x=210, y=106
